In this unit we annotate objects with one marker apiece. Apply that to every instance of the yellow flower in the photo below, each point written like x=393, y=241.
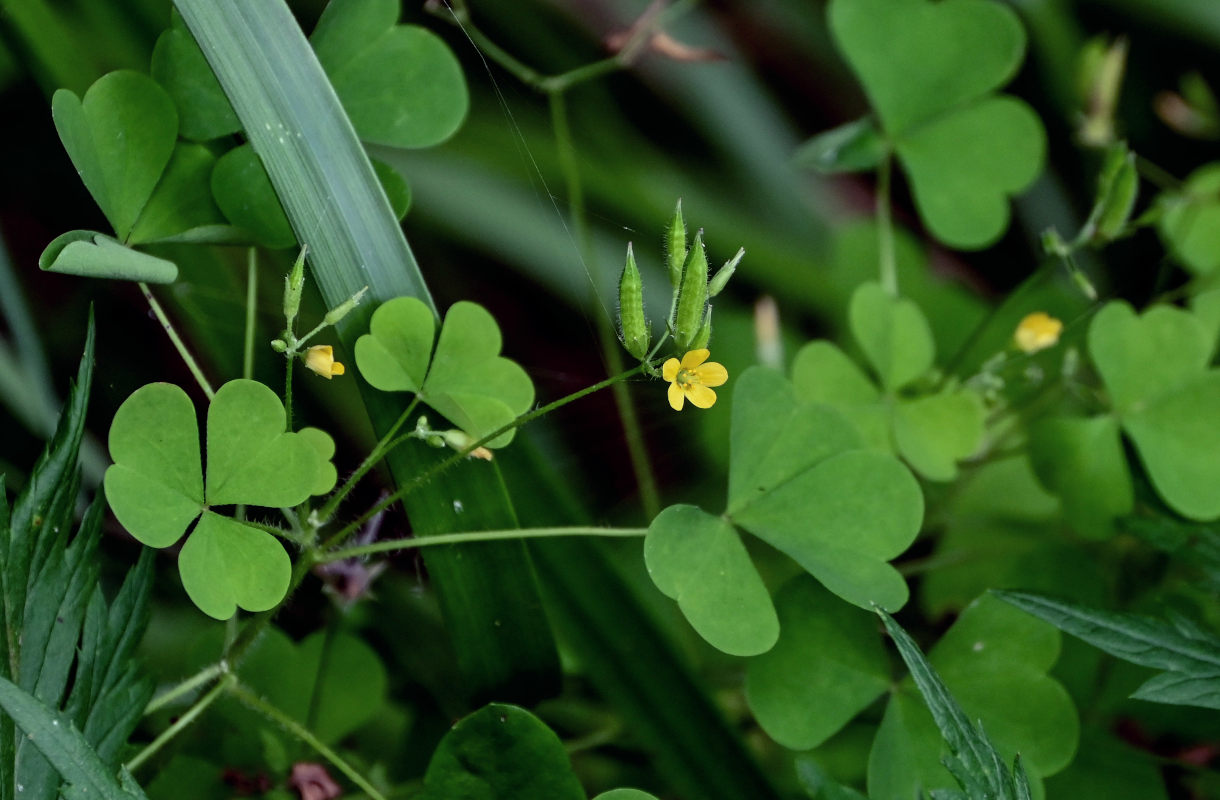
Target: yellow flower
x=1037, y=331
x=321, y=359
x=692, y=378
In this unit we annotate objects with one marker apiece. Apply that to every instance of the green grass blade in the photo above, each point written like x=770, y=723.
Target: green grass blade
x=331, y=195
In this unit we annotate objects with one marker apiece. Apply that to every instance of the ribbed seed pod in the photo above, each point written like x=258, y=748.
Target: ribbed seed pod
x=716, y=285
x=675, y=246
x=632, y=325
x=705, y=331
x=692, y=297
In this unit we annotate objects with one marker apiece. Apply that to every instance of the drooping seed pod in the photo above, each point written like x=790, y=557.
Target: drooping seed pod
x=721, y=278
x=675, y=246
x=632, y=325
x=692, y=296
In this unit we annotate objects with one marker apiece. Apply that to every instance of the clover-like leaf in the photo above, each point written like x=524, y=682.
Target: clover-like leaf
x=401, y=84
x=963, y=149
x=699, y=561
x=995, y=664
x=179, y=65
x=828, y=665
x=324, y=446
x=1082, y=461
x=822, y=373
x=1155, y=368
x=120, y=138
x=1190, y=222
x=225, y=564
x=182, y=200
x=893, y=333
x=795, y=483
x=465, y=379
x=243, y=191
x=156, y=486
x=934, y=432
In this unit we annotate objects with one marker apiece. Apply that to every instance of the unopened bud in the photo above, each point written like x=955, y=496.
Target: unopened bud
x=279, y=345
x=632, y=325
x=721, y=278
x=675, y=246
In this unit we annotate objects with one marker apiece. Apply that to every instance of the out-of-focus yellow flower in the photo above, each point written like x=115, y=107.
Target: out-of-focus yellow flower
x=692, y=378
x=1037, y=331
x=321, y=359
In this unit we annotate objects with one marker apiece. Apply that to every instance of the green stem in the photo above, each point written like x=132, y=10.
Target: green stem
x=379, y=451
x=247, y=362
x=288, y=392
x=1156, y=174
x=637, y=449
x=181, y=723
x=261, y=706
x=200, y=678
x=179, y=345
x=470, y=537
x=427, y=475
x=885, y=229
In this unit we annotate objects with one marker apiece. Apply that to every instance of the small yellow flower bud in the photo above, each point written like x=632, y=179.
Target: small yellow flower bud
x=1037, y=331
x=321, y=359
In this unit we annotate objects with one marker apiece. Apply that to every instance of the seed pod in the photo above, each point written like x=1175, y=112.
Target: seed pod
x=675, y=246
x=705, y=331
x=692, y=297
x=343, y=309
x=632, y=325
x=294, y=283
x=721, y=278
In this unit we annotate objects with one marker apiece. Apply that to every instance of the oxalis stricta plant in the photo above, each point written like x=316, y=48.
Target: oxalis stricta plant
x=987, y=471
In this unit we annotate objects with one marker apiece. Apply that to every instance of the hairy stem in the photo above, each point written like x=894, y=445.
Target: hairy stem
x=470, y=537
x=179, y=345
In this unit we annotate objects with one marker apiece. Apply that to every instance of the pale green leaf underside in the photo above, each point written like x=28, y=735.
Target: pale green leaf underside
x=699, y=560
x=95, y=255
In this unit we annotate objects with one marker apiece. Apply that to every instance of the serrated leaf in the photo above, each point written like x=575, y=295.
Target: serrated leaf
x=893, y=333
x=64, y=746
x=96, y=255
x=400, y=84
x=1190, y=660
x=828, y=665
x=120, y=138
x=501, y=751
x=699, y=561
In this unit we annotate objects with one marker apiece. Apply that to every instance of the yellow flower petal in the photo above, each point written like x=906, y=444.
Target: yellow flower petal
x=695, y=357
x=1037, y=331
x=676, y=397
x=701, y=396
x=338, y=369
x=669, y=370
x=321, y=359
x=712, y=374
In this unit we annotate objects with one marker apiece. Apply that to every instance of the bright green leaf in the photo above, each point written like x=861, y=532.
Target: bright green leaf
x=400, y=84
x=1142, y=356
x=183, y=198
x=1178, y=440
x=244, y=193
x=699, y=560
x=501, y=752
x=120, y=138
x=822, y=373
x=1082, y=462
x=774, y=437
x=397, y=191
x=1190, y=222
x=963, y=167
x=893, y=333
x=394, y=355
x=963, y=151
x=934, y=432
x=203, y=110
x=225, y=564
x=828, y=665
x=324, y=446
x=155, y=486
x=96, y=255
x=470, y=382
x=251, y=459
x=1117, y=189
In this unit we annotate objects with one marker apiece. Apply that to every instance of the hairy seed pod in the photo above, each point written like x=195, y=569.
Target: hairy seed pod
x=675, y=246
x=294, y=284
x=632, y=325
x=692, y=296
x=705, y=331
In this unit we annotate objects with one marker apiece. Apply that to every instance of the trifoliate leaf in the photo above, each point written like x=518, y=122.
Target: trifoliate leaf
x=893, y=333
